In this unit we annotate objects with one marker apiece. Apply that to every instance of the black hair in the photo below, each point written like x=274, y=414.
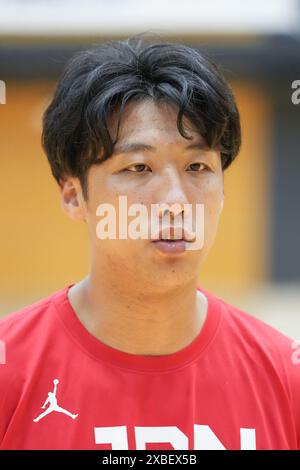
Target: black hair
x=101, y=80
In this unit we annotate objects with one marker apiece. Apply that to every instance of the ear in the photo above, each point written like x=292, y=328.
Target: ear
x=72, y=199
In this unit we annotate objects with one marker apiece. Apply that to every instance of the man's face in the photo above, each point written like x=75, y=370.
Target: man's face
x=169, y=173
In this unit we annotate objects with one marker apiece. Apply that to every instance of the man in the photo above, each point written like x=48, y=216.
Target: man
x=145, y=357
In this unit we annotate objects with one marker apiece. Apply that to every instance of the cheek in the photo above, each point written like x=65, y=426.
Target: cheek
x=105, y=191
x=211, y=195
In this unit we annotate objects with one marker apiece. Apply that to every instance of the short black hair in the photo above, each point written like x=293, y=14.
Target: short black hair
x=99, y=81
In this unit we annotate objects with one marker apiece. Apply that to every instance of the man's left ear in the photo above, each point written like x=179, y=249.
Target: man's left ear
x=72, y=200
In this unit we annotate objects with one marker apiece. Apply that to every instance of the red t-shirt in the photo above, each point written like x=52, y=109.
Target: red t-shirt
x=236, y=386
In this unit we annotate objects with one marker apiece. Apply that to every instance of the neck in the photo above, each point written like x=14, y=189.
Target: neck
x=138, y=321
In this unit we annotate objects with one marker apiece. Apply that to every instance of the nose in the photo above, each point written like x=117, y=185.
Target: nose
x=171, y=195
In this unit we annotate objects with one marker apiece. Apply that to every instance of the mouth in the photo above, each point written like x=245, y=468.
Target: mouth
x=174, y=234
x=172, y=240
x=170, y=246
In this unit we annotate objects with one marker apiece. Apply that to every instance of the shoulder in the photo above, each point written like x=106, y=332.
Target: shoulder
x=248, y=328
x=257, y=345
x=26, y=335
x=263, y=348
x=29, y=319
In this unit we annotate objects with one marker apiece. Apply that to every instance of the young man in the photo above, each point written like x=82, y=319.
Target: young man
x=137, y=355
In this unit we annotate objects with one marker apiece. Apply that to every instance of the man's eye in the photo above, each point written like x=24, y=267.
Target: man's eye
x=197, y=166
x=138, y=168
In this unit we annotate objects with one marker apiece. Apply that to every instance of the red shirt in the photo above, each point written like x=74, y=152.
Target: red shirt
x=236, y=386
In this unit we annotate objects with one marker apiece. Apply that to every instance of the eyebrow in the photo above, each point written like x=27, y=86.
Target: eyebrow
x=139, y=146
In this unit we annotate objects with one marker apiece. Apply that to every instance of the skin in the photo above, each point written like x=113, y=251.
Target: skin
x=135, y=298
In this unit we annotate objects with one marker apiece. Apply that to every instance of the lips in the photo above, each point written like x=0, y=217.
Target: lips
x=172, y=233
x=170, y=246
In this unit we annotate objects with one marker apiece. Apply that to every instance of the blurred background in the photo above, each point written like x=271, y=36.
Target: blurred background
x=255, y=262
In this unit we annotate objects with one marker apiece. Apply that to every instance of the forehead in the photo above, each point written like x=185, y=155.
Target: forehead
x=149, y=122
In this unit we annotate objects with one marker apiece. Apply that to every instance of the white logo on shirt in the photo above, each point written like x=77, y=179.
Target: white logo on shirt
x=204, y=437
x=53, y=406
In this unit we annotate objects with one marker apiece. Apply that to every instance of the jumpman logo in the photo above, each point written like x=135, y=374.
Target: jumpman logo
x=53, y=406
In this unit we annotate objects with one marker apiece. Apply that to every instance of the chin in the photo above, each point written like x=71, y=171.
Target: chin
x=171, y=277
